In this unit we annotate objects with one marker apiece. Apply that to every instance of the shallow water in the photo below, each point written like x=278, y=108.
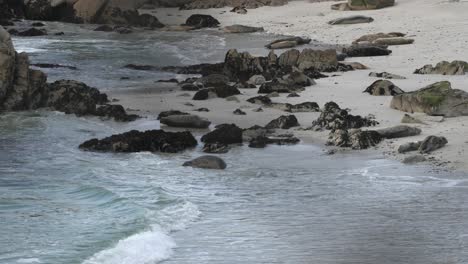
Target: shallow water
x=289, y=204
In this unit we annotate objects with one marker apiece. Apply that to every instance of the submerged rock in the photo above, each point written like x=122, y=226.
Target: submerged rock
x=207, y=162
x=437, y=99
x=137, y=141
x=383, y=88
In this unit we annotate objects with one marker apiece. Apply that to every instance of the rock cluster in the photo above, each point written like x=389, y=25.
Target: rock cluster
x=333, y=117
x=445, y=68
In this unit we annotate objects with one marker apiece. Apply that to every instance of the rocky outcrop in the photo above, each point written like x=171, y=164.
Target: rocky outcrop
x=383, y=88
x=437, y=99
x=445, y=68
x=399, y=132
x=136, y=141
x=207, y=162
x=186, y=121
x=205, y=4
x=351, y=20
x=333, y=118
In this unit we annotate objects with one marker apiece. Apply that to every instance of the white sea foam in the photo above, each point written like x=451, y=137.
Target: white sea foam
x=143, y=248
x=29, y=260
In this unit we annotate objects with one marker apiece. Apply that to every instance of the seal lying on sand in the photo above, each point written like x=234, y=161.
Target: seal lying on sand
x=351, y=20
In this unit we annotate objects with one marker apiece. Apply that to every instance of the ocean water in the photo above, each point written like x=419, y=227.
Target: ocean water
x=282, y=204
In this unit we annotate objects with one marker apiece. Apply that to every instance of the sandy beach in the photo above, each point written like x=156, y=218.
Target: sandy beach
x=437, y=27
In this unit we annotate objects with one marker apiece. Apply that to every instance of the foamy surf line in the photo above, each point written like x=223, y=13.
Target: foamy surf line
x=143, y=248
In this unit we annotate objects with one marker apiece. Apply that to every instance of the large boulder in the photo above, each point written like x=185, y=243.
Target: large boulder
x=186, y=121
x=7, y=64
x=202, y=21
x=224, y=134
x=383, y=88
x=445, y=68
x=136, y=141
x=207, y=162
x=320, y=60
x=369, y=4
x=437, y=99
x=399, y=131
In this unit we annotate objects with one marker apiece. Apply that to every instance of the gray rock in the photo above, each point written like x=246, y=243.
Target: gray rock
x=351, y=20
x=187, y=121
x=399, y=131
x=432, y=143
x=283, y=122
x=207, y=162
x=239, y=112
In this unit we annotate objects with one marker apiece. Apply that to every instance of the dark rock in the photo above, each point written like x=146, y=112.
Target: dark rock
x=72, y=97
x=293, y=95
x=202, y=109
x=123, y=30
x=399, y=132
x=383, y=88
x=117, y=112
x=59, y=34
x=224, y=134
x=204, y=94
x=432, y=143
x=170, y=113
x=224, y=91
x=333, y=117
x=283, y=122
x=279, y=87
x=38, y=24
x=207, y=162
x=258, y=142
x=204, y=69
x=202, y=21
x=187, y=121
x=136, y=141
x=239, y=112
x=168, y=81
x=366, y=51
x=214, y=80
x=140, y=67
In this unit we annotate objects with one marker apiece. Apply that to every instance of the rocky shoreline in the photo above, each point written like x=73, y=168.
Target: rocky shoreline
x=279, y=84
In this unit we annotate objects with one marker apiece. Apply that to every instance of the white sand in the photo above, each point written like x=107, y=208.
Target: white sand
x=440, y=29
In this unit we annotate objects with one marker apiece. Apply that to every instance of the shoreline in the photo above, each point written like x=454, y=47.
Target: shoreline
x=310, y=21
